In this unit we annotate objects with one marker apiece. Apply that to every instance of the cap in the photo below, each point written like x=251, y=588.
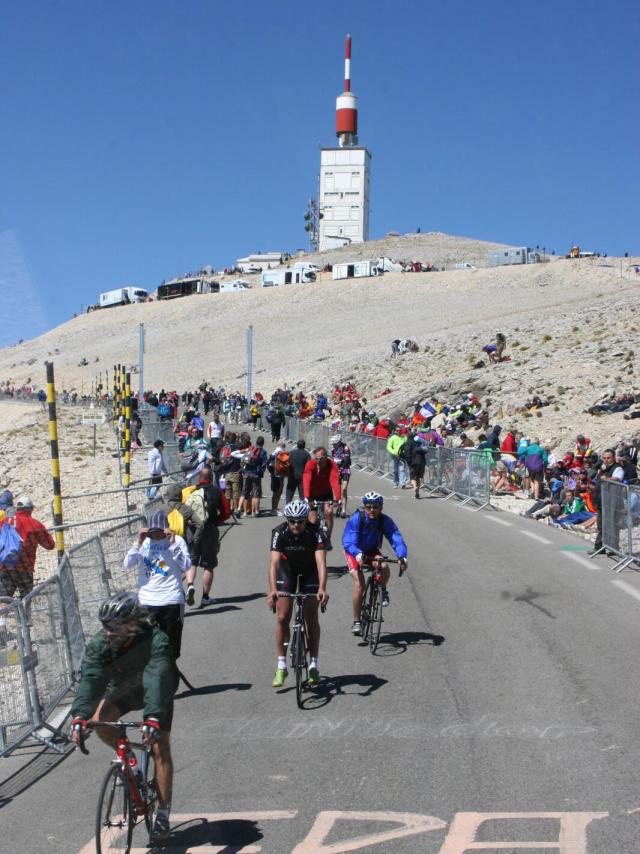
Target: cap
x=173, y=492
x=158, y=521
x=24, y=502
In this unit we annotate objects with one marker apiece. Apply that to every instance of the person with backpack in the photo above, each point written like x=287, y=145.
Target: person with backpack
x=254, y=463
x=414, y=454
x=20, y=536
x=535, y=459
x=162, y=558
x=279, y=466
x=341, y=455
x=362, y=539
x=276, y=420
x=209, y=508
x=298, y=459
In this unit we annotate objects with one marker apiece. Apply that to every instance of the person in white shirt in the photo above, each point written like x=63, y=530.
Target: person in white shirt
x=215, y=430
x=157, y=467
x=162, y=558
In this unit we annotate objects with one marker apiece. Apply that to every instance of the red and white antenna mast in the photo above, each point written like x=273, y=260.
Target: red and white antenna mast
x=347, y=107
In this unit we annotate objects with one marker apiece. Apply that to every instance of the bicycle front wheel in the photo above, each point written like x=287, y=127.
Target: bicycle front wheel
x=150, y=791
x=365, y=610
x=375, y=623
x=301, y=665
x=114, y=817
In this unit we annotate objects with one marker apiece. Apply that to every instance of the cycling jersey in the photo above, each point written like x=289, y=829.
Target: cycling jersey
x=297, y=569
x=341, y=455
x=319, y=482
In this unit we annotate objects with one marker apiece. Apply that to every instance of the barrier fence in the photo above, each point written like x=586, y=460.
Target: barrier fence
x=42, y=636
x=620, y=520
x=453, y=472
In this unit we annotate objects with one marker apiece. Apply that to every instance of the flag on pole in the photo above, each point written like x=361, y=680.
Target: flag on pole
x=427, y=411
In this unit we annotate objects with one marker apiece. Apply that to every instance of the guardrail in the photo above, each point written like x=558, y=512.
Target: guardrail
x=453, y=472
x=620, y=521
x=42, y=636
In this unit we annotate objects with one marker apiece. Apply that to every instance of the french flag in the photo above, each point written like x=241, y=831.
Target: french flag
x=427, y=411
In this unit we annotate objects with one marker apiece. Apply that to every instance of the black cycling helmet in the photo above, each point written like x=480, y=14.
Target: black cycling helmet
x=120, y=608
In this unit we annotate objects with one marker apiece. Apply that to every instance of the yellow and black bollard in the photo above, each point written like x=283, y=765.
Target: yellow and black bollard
x=127, y=431
x=114, y=403
x=55, y=460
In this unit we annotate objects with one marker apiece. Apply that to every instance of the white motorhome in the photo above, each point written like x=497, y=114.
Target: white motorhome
x=288, y=276
x=122, y=296
x=356, y=270
x=235, y=285
x=260, y=261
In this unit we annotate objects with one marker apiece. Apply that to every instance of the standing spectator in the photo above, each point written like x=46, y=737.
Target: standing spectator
x=254, y=464
x=535, y=459
x=394, y=446
x=19, y=576
x=277, y=420
x=609, y=470
x=215, y=430
x=157, y=467
x=299, y=458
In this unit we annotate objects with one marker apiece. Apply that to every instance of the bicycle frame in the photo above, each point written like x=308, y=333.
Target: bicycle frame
x=129, y=763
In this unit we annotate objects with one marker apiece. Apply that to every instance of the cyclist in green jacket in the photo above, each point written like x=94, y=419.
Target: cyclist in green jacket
x=129, y=664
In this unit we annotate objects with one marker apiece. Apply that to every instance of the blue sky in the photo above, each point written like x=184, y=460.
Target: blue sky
x=143, y=139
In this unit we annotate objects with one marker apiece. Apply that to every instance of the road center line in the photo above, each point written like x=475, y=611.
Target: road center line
x=627, y=588
x=583, y=561
x=536, y=537
x=499, y=521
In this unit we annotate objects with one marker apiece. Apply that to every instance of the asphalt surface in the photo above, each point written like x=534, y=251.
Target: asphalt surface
x=502, y=706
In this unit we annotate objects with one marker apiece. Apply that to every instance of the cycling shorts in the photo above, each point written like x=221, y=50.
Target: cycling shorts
x=292, y=580
x=352, y=564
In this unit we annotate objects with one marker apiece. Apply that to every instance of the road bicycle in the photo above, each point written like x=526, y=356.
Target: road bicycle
x=128, y=792
x=318, y=506
x=299, y=643
x=371, y=604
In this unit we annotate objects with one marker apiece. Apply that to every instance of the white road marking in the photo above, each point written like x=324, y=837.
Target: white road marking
x=583, y=561
x=536, y=537
x=499, y=521
x=623, y=585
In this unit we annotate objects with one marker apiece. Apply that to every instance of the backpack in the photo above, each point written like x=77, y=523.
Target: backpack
x=191, y=462
x=10, y=545
x=405, y=452
x=176, y=522
x=225, y=457
x=283, y=464
x=361, y=521
x=534, y=462
x=197, y=504
x=164, y=410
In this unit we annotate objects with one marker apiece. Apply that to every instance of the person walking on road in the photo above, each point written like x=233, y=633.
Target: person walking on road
x=162, y=559
x=209, y=509
x=299, y=457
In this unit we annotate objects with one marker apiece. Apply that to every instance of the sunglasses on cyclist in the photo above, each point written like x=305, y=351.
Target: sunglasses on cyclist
x=296, y=521
x=372, y=506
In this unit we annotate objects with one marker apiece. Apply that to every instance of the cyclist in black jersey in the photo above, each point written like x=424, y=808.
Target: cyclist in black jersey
x=298, y=564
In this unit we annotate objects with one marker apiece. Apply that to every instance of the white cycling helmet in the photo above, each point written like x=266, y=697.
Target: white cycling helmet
x=372, y=498
x=296, y=510
x=336, y=439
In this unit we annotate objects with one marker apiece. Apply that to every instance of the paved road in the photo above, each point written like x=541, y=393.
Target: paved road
x=502, y=707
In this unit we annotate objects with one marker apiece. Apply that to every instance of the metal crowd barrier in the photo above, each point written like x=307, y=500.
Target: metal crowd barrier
x=620, y=519
x=453, y=472
x=42, y=636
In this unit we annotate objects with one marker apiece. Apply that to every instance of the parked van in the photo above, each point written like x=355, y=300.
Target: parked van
x=122, y=296
x=355, y=270
x=235, y=285
x=289, y=276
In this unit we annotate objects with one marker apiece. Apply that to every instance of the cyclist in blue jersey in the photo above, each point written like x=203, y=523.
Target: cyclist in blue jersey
x=361, y=539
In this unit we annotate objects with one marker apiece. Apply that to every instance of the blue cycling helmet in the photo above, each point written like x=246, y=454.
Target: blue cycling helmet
x=372, y=498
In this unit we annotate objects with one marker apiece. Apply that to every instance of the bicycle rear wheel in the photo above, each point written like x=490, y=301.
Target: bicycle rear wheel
x=114, y=816
x=301, y=665
x=375, y=623
x=365, y=610
x=150, y=790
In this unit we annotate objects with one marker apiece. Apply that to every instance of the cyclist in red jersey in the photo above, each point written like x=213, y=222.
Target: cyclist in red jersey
x=321, y=482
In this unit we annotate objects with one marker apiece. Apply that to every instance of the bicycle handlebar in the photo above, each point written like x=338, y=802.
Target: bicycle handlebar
x=323, y=608
x=109, y=724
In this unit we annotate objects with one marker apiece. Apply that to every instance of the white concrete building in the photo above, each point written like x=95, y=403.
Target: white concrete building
x=345, y=175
